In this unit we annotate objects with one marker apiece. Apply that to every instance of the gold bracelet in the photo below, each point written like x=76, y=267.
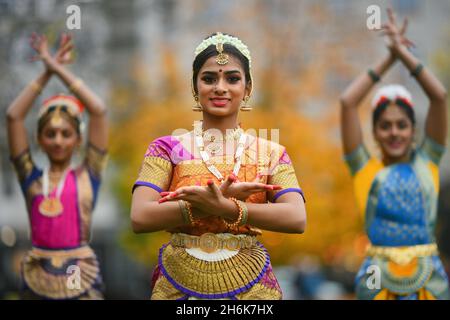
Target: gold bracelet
x=244, y=213
x=184, y=211
x=75, y=85
x=238, y=221
x=190, y=219
x=37, y=88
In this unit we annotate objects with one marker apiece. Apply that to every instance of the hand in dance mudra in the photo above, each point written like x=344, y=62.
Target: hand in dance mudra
x=210, y=200
x=396, y=35
x=63, y=54
x=232, y=187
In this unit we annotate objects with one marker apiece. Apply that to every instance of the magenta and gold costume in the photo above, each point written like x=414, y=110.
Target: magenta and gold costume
x=61, y=265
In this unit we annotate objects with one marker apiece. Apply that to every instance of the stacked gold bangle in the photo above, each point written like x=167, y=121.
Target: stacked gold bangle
x=244, y=213
x=186, y=212
x=242, y=216
x=75, y=85
x=37, y=88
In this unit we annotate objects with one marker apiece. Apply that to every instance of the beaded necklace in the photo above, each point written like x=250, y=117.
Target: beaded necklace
x=236, y=134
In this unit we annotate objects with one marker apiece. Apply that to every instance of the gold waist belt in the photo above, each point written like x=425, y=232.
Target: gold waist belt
x=403, y=255
x=211, y=242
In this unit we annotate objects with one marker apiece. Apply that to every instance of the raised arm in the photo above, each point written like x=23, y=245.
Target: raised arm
x=436, y=120
x=19, y=108
x=359, y=88
x=351, y=99
x=17, y=111
x=98, y=130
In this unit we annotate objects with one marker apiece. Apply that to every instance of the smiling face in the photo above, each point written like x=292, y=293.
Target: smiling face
x=394, y=132
x=221, y=88
x=59, y=141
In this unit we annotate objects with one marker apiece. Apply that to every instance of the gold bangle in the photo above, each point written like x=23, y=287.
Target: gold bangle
x=35, y=87
x=75, y=85
x=190, y=217
x=184, y=211
x=244, y=213
x=238, y=221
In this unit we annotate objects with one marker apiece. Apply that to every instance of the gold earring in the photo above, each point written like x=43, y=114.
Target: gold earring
x=244, y=106
x=197, y=107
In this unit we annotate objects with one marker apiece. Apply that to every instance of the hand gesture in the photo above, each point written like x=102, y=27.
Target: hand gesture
x=396, y=36
x=205, y=201
x=64, y=53
x=242, y=190
x=40, y=44
x=62, y=56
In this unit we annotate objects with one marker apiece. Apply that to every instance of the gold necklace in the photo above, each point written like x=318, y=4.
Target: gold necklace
x=51, y=206
x=236, y=134
x=216, y=138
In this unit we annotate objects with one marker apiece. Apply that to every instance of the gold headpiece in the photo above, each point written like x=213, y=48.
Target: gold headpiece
x=221, y=58
x=56, y=119
x=73, y=106
x=219, y=40
x=61, y=103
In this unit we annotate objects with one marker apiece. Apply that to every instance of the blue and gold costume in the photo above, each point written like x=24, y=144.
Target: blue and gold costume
x=400, y=206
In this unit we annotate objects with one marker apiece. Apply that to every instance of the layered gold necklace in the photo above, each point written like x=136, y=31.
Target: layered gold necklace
x=215, y=146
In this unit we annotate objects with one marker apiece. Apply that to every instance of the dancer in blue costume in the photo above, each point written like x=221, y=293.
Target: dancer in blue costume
x=399, y=192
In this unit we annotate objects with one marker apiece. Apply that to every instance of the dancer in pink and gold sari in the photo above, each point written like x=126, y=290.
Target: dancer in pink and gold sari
x=215, y=188
x=59, y=198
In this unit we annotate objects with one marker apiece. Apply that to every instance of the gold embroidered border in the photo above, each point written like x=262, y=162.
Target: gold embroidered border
x=217, y=277
x=56, y=286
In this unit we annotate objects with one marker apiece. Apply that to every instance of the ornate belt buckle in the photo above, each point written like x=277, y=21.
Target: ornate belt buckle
x=57, y=262
x=209, y=242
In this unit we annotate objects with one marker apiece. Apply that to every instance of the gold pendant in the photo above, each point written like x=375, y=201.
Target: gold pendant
x=210, y=137
x=214, y=148
x=51, y=207
x=222, y=59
